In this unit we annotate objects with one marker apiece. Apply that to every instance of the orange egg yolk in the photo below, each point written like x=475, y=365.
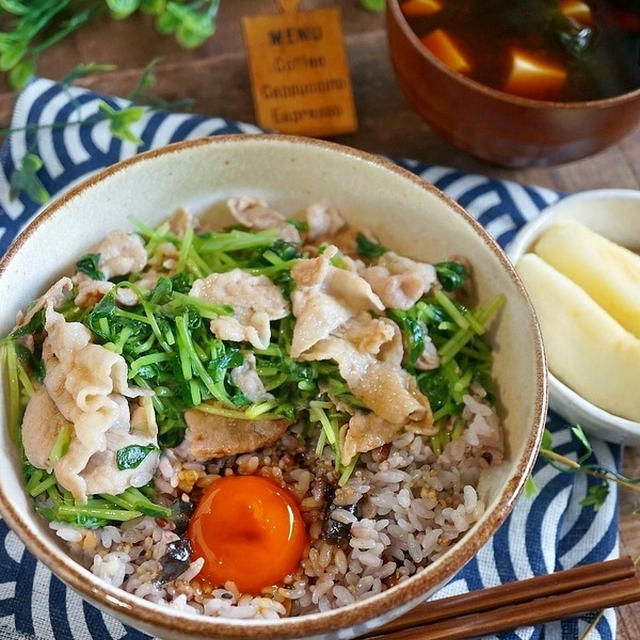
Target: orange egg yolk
x=249, y=530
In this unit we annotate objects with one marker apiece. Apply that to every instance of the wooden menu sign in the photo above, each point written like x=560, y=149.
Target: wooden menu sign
x=299, y=72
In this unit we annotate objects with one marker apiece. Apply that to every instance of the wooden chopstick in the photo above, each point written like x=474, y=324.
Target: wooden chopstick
x=527, y=602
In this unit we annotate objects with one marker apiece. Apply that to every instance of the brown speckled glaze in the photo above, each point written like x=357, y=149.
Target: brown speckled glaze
x=360, y=617
x=498, y=127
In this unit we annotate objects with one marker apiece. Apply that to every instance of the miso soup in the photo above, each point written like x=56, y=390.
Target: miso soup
x=564, y=50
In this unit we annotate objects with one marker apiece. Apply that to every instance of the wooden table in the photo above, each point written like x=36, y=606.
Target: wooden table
x=216, y=76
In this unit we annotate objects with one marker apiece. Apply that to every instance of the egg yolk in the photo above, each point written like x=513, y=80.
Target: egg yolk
x=249, y=530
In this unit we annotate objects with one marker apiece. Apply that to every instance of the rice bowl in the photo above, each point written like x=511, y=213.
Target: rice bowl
x=332, y=577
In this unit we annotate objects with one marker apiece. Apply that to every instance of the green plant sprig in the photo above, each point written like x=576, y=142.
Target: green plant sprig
x=37, y=25
x=598, y=493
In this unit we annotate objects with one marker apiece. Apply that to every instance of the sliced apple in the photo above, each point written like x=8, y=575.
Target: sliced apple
x=531, y=77
x=586, y=348
x=439, y=42
x=577, y=10
x=421, y=7
x=609, y=273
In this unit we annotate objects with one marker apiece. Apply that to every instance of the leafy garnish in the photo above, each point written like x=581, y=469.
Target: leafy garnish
x=132, y=456
x=25, y=179
x=452, y=275
x=368, y=248
x=88, y=264
x=596, y=496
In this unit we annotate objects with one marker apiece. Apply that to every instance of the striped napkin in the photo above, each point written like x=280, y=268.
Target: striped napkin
x=549, y=532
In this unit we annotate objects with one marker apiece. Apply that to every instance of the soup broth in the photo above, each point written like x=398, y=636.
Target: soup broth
x=565, y=50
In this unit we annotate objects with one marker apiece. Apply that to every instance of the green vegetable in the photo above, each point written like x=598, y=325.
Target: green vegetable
x=35, y=26
x=26, y=179
x=368, y=248
x=132, y=456
x=35, y=325
x=88, y=264
x=452, y=275
x=61, y=445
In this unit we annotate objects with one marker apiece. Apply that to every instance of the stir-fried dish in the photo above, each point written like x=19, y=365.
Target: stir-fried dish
x=272, y=419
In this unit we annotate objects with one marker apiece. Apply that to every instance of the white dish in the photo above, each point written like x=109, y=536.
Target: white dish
x=615, y=214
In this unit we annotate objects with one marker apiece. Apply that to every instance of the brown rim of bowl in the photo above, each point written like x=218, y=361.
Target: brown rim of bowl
x=120, y=602
x=601, y=103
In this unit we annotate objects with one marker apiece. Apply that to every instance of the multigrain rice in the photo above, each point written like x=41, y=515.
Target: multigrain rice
x=412, y=507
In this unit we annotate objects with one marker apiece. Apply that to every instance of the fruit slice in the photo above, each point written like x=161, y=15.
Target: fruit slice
x=577, y=10
x=439, y=42
x=609, y=273
x=421, y=7
x=531, y=77
x=586, y=348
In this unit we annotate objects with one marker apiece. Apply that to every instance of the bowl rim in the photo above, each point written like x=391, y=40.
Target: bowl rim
x=132, y=607
x=393, y=8
x=520, y=244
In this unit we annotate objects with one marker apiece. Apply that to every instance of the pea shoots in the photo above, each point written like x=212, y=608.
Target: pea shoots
x=167, y=344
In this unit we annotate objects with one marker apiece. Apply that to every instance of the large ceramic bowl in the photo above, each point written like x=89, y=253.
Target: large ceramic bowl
x=615, y=214
x=407, y=214
x=493, y=125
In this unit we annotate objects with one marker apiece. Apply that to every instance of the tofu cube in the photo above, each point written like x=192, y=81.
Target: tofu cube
x=531, y=77
x=441, y=45
x=421, y=7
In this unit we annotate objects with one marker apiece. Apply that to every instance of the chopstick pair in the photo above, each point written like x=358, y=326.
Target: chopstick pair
x=526, y=602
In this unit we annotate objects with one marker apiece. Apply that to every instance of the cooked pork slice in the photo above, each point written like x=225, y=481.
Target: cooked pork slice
x=400, y=282
x=255, y=214
x=376, y=379
x=246, y=378
x=323, y=220
x=215, y=436
x=91, y=291
x=53, y=297
x=102, y=474
x=255, y=301
x=120, y=254
x=365, y=432
x=429, y=358
x=41, y=425
x=88, y=385
x=179, y=221
x=324, y=299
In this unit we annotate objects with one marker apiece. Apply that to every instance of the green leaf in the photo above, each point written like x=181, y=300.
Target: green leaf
x=20, y=74
x=153, y=6
x=122, y=8
x=547, y=440
x=12, y=54
x=367, y=248
x=373, y=5
x=596, y=496
x=35, y=325
x=194, y=30
x=166, y=22
x=147, y=79
x=88, y=264
x=25, y=179
x=452, y=275
x=81, y=70
x=131, y=457
x=581, y=436
x=121, y=119
x=530, y=487
x=15, y=7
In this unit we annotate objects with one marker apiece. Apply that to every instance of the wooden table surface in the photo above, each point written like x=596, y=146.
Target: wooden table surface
x=216, y=76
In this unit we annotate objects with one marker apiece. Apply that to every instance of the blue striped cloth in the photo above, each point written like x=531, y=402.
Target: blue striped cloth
x=546, y=533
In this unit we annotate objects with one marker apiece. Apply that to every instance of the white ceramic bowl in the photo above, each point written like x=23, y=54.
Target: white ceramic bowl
x=615, y=214
x=407, y=214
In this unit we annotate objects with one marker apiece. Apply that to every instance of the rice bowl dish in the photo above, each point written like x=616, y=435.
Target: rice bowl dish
x=390, y=207
x=294, y=355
